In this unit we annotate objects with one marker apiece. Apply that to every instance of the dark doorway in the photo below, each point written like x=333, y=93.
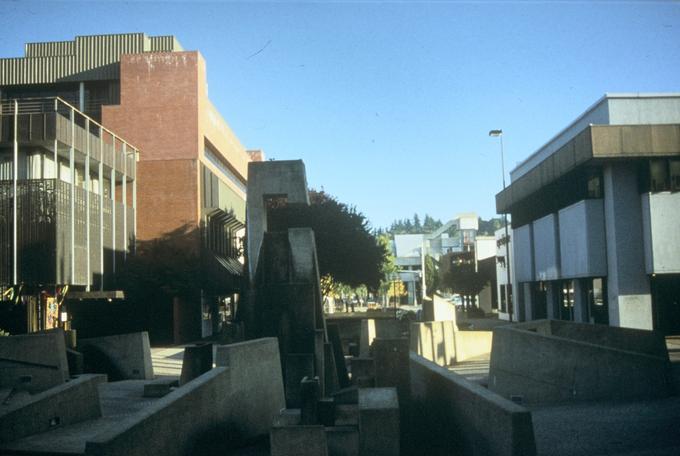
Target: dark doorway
x=666, y=303
x=539, y=300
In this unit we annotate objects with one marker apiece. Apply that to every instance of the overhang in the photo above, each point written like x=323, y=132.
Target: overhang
x=608, y=142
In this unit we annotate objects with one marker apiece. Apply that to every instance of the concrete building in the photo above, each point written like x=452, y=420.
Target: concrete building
x=485, y=263
x=502, y=245
x=193, y=172
x=457, y=235
x=595, y=217
x=408, y=250
x=464, y=227
x=67, y=209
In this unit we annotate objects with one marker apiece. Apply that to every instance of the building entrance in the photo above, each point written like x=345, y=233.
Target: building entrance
x=666, y=303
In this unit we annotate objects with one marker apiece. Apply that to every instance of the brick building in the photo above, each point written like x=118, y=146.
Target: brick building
x=192, y=169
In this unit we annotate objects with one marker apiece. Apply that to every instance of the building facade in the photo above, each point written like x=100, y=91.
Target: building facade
x=503, y=290
x=191, y=178
x=595, y=216
x=67, y=208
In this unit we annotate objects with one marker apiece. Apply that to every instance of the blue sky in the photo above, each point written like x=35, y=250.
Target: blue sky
x=389, y=103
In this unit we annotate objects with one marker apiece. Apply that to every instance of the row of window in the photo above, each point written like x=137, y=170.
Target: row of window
x=563, y=297
x=656, y=175
x=660, y=175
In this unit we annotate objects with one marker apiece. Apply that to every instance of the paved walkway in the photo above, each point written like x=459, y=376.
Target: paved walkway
x=118, y=400
x=623, y=428
x=638, y=428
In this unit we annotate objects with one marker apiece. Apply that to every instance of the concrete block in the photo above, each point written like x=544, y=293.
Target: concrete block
x=123, y=356
x=362, y=367
x=542, y=362
x=197, y=360
x=331, y=383
x=383, y=328
x=484, y=423
x=288, y=417
x=41, y=356
x=392, y=365
x=326, y=411
x=298, y=441
x=298, y=366
x=346, y=415
x=76, y=362
x=341, y=367
x=309, y=395
x=343, y=440
x=473, y=344
x=226, y=406
x=67, y=403
x=443, y=309
x=347, y=395
x=159, y=388
x=257, y=393
x=379, y=422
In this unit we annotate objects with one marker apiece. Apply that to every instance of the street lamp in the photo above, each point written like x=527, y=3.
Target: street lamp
x=499, y=134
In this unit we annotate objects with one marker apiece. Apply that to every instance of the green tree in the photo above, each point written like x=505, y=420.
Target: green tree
x=347, y=250
x=489, y=227
x=431, y=275
x=457, y=274
x=417, y=228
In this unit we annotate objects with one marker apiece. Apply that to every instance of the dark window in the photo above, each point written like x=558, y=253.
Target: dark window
x=566, y=294
x=674, y=168
x=598, y=310
x=539, y=300
x=582, y=183
x=658, y=176
x=594, y=186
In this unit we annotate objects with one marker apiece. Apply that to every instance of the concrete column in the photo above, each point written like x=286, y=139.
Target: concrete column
x=630, y=301
x=81, y=97
x=56, y=147
x=551, y=296
x=15, y=177
x=525, y=303
x=72, y=170
x=113, y=210
x=124, y=196
x=87, y=205
x=580, y=301
x=134, y=203
x=100, y=177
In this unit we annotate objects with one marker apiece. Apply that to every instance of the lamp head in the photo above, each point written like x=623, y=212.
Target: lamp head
x=496, y=133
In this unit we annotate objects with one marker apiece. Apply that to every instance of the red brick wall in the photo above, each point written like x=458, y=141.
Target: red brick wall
x=166, y=198
x=159, y=115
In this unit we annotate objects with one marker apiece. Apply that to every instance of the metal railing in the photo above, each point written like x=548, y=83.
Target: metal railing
x=47, y=105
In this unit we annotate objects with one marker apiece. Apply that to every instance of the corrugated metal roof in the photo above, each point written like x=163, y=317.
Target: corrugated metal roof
x=93, y=57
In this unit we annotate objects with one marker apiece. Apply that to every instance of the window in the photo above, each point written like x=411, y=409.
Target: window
x=658, y=176
x=674, y=168
x=594, y=186
x=598, y=310
x=566, y=293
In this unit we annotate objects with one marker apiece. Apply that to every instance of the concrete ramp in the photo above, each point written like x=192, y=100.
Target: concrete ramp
x=121, y=357
x=552, y=362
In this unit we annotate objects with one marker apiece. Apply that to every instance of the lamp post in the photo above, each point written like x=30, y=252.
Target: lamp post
x=499, y=134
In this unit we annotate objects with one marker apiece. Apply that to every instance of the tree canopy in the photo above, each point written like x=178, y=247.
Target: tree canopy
x=346, y=249
x=429, y=225
x=457, y=274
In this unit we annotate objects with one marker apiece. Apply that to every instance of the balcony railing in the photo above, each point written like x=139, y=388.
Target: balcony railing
x=49, y=119
x=51, y=249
